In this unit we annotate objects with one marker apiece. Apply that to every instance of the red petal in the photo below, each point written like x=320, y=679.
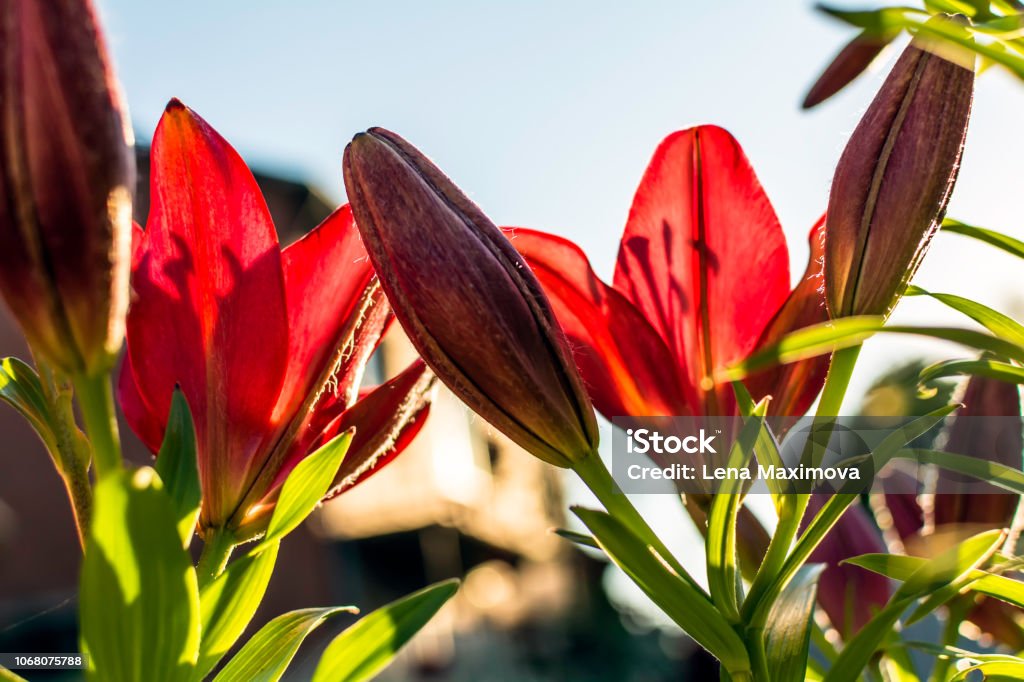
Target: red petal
x=385, y=421
x=146, y=425
x=703, y=256
x=627, y=368
x=794, y=387
x=210, y=306
x=326, y=275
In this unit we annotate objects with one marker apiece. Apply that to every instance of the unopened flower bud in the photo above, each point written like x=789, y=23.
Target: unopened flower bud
x=893, y=181
x=67, y=174
x=467, y=300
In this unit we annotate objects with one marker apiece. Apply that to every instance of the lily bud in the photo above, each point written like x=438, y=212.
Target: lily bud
x=893, y=181
x=996, y=438
x=851, y=62
x=467, y=300
x=67, y=174
x=850, y=595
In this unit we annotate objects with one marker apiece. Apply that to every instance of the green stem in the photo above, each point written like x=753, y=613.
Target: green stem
x=71, y=455
x=595, y=475
x=214, y=557
x=96, y=401
x=956, y=611
x=794, y=506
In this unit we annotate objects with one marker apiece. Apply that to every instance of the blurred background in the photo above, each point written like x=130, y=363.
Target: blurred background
x=546, y=114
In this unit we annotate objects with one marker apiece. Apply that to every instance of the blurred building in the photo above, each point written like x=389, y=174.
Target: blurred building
x=462, y=501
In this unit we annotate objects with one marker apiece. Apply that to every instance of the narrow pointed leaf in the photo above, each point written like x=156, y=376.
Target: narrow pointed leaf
x=267, y=654
x=305, y=486
x=721, y=537
x=178, y=468
x=851, y=331
x=581, y=539
x=366, y=648
x=228, y=602
x=690, y=609
x=999, y=240
x=788, y=637
x=992, y=369
x=993, y=671
x=934, y=575
x=993, y=320
x=995, y=473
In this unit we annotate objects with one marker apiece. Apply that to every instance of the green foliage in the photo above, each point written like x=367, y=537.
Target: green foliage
x=20, y=388
x=178, y=467
x=266, y=656
x=689, y=608
x=139, y=595
x=366, y=648
x=305, y=486
x=228, y=602
x=787, y=637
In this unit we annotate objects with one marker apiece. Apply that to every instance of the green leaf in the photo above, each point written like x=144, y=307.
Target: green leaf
x=267, y=654
x=991, y=369
x=788, y=634
x=900, y=568
x=305, y=486
x=579, y=538
x=723, y=577
x=139, y=600
x=997, y=239
x=690, y=609
x=20, y=388
x=228, y=602
x=997, y=474
x=993, y=671
x=366, y=648
x=7, y=676
x=178, y=468
x=949, y=567
x=993, y=320
x=831, y=336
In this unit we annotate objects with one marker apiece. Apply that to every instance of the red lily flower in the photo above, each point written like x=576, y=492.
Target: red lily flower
x=268, y=345
x=702, y=280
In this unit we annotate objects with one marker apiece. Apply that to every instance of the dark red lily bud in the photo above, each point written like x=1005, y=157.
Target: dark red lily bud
x=849, y=594
x=467, y=300
x=893, y=181
x=851, y=62
x=988, y=426
x=67, y=174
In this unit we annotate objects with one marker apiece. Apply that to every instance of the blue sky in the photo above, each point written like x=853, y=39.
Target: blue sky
x=546, y=113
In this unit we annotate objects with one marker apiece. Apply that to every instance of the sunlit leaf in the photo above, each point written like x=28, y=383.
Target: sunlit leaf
x=266, y=655
x=944, y=569
x=305, y=486
x=139, y=598
x=721, y=536
x=991, y=237
x=690, y=609
x=830, y=336
x=366, y=648
x=993, y=320
x=228, y=602
x=20, y=388
x=992, y=369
